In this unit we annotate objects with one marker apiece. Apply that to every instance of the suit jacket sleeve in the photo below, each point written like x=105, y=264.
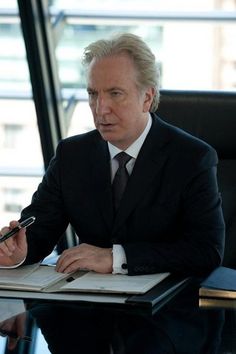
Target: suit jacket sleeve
x=51, y=217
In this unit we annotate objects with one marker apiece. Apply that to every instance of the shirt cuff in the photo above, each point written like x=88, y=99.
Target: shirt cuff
x=13, y=266
x=119, y=260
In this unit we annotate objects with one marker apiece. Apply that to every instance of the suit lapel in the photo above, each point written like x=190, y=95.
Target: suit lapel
x=149, y=166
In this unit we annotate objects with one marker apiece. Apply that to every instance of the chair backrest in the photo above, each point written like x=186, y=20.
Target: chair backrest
x=211, y=116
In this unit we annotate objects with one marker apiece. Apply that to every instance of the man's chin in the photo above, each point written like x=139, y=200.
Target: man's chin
x=108, y=136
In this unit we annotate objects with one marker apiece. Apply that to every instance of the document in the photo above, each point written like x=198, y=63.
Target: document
x=137, y=284
x=221, y=283
x=43, y=278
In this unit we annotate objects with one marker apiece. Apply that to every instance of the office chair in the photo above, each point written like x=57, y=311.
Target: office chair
x=211, y=116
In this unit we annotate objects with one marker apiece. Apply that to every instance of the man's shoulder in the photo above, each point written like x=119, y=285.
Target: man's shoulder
x=83, y=138
x=181, y=140
x=79, y=145
x=80, y=142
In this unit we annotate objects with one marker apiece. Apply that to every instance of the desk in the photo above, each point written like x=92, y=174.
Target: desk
x=179, y=326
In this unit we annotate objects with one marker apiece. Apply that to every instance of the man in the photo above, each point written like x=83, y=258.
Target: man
x=169, y=217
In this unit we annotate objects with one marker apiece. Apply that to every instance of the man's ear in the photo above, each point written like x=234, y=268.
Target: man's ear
x=148, y=98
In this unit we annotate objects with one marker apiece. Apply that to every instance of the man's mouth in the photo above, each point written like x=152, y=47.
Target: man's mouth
x=106, y=125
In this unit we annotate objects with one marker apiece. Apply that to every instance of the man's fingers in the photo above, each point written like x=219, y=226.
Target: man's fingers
x=14, y=249
x=64, y=263
x=85, y=256
x=13, y=224
x=73, y=266
x=7, y=248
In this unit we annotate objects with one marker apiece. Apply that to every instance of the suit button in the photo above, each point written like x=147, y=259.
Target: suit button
x=124, y=266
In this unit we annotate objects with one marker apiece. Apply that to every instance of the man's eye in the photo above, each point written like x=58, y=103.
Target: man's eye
x=115, y=93
x=92, y=94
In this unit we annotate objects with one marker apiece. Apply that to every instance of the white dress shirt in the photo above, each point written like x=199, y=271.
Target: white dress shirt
x=119, y=257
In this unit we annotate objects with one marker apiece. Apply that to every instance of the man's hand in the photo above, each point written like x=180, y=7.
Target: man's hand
x=14, y=249
x=85, y=256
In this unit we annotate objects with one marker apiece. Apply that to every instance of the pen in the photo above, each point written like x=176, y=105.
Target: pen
x=11, y=334
x=22, y=224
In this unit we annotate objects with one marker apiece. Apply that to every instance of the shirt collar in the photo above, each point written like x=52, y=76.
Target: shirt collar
x=134, y=148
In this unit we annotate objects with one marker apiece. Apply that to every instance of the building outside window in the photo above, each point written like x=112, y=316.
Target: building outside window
x=21, y=163
x=11, y=135
x=192, y=40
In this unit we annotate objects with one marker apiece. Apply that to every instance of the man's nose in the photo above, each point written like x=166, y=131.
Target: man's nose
x=102, y=106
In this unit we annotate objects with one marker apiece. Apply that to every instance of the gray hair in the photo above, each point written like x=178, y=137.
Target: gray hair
x=143, y=58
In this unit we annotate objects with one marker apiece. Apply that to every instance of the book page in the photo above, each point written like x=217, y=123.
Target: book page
x=15, y=274
x=30, y=277
x=95, y=282
x=44, y=276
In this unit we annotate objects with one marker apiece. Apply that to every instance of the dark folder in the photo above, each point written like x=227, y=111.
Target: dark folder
x=160, y=294
x=220, y=283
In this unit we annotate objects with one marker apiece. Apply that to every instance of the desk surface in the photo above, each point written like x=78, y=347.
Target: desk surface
x=180, y=325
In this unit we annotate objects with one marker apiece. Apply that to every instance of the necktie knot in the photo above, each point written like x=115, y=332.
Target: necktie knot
x=122, y=159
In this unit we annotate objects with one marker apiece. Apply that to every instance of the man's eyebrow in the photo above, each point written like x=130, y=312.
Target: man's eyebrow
x=90, y=89
x=115, y=88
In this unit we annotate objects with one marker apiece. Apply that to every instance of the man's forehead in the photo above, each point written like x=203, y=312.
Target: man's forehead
x=104, y=88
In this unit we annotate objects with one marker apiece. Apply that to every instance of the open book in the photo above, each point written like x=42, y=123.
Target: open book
x=43, y=278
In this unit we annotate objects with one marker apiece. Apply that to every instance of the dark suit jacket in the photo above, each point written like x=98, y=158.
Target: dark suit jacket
x=170, y=218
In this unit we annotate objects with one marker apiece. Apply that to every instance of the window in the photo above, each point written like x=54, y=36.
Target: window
x=13, y=199
x=11, y=135
x=192, y=40
x=20, y=150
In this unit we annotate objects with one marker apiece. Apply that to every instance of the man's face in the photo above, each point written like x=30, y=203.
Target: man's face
x=120, y=109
